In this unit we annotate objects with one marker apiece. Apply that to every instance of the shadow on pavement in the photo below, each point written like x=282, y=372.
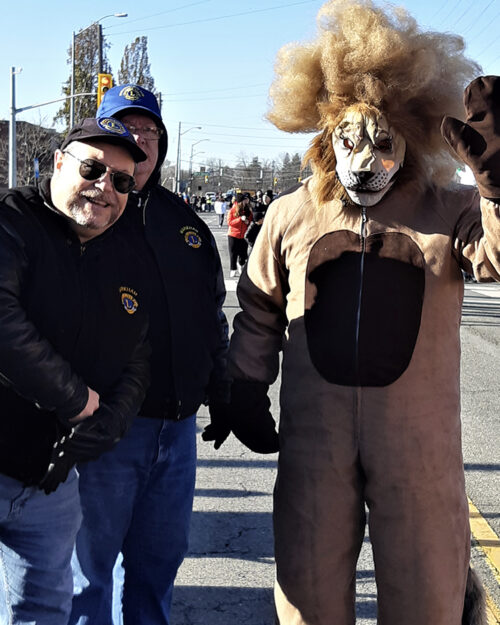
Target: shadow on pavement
x=212, y=605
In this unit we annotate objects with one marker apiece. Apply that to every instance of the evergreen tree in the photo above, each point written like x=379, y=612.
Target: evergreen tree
x=135, y=67
x=86, y=70
x=290, y=170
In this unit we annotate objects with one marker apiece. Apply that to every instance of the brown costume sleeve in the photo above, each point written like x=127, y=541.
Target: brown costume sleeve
x=259, y=328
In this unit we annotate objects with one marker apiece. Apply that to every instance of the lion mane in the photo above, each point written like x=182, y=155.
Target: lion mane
x=380, y=62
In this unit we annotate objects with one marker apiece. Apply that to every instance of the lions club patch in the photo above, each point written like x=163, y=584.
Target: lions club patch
x=129, y=299
x=191, y=236
x=112, y=125
x=132, y=93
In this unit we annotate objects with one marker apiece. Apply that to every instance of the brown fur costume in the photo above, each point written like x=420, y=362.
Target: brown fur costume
x=378, y=63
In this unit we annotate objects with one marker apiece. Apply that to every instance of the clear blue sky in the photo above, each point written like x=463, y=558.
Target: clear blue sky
x=212, y=60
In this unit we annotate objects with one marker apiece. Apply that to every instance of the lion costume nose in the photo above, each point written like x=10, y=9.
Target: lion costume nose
x=362, y=177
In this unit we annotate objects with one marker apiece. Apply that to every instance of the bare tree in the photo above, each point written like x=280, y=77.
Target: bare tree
x=33, y=142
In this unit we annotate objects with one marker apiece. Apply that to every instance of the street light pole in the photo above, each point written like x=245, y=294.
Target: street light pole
x=178, y=162
x=72, y=86
x=12, y=128
x=99, y=47
x=100, y=58
x=191, y=157
x=12, y=122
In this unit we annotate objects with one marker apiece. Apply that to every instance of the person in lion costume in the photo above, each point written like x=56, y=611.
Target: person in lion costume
x=356, y=278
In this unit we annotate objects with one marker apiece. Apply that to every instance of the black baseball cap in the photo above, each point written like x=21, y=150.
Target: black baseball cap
x=107, y=130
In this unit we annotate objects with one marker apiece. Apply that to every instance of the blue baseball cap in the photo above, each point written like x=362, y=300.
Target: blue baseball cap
x=130, y=98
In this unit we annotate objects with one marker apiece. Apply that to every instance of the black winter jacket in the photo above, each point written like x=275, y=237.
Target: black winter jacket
x=71, y=316
x=189, y=345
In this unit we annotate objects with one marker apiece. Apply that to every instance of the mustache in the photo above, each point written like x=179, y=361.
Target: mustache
x=93, y=194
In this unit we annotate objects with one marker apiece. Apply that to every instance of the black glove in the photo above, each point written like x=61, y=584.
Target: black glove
x=219, y=427
x=86, y=441
x=60, y=465
x=477, y=141
x=252, y=423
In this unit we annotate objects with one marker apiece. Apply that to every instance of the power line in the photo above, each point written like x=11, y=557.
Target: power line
x=201, y=123
x=488, y=24
x=230, y=97
x=147, y=17
x=462, y=15
x=197, y=91
x=451, y=12
x=475, y=22
x=440, y=8
x=214, y=19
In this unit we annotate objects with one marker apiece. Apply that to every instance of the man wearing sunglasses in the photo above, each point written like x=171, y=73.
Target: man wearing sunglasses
x=73, y=362
x=137, y=500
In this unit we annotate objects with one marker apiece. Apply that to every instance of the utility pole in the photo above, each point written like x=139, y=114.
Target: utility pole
x=178, y=161
x=99, y=47
x=72, y=84
x=12, y=128
x=12, y=122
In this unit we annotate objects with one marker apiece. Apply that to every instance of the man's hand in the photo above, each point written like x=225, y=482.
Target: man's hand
x=86, y=441
x=251, y=419
x=90, y=407
x=219, y=427
x=477, y=141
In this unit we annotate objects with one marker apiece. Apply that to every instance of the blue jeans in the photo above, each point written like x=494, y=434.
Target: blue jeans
x=136, y=499
x=37, y=535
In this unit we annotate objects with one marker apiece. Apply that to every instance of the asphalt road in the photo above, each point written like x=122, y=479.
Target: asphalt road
x=228, y=576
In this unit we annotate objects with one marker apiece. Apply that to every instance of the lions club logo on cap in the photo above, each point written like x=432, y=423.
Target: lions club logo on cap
x=191, y=236
x=132, y=93
x=112, y=125
x=128, y=299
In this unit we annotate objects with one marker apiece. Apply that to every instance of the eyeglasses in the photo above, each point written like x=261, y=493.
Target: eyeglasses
x=91, y=169
x=149, y=133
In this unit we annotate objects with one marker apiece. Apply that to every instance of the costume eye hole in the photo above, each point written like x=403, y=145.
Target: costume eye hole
x=385, y=145
x=347, y=143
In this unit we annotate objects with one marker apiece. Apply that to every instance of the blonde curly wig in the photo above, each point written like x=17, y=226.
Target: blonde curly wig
x=364, y=55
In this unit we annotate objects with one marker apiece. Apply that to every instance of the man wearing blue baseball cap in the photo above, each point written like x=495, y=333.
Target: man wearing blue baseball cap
x=137, y=500
x=73, y=360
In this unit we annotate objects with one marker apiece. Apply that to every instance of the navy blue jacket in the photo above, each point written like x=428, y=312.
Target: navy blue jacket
x=71, y=316
x=188, y=329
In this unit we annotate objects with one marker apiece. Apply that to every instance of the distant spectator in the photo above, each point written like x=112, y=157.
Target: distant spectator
x=258, y=217
x=238, y=220
x=220, y=207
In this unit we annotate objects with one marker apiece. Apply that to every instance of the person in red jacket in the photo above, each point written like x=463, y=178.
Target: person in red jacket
x=238, y=220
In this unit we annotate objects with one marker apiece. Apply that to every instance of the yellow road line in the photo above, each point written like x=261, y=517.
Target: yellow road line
x=490, y=544
x=492, y=612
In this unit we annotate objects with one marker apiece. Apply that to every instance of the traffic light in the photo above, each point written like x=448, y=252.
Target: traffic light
x=206, y=179
x=104, y=82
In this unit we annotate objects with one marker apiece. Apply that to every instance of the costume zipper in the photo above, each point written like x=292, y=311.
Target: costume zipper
x=360, y=290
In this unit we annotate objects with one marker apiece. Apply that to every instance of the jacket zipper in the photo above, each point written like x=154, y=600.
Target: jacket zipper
x=360, y=290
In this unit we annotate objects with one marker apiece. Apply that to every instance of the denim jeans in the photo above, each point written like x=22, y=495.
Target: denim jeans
x=37, y=535
x=136, y=499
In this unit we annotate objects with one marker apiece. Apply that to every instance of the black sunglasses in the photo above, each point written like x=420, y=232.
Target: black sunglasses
x=93, y=170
